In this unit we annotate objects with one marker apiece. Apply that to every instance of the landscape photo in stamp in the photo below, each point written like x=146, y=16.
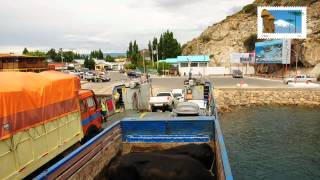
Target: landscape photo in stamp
x=287, y=21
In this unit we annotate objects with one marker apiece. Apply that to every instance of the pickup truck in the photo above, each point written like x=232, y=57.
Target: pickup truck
x=163, y=101
x=300, y=78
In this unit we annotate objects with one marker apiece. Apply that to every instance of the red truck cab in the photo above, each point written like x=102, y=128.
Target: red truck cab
x=91, y=118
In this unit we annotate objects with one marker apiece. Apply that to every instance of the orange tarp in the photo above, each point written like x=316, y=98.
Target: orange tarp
x=27, y=99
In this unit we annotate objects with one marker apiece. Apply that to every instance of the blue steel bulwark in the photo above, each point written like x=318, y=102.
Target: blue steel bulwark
x=180, y=129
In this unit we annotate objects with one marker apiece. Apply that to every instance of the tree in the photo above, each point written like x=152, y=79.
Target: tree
x=150, y=49
x=89, y=63
x=36, y=53
x=68, y=56
x=167, y=46
x=96, y=54
x=109, y=58
x=53, y=55
x=25, y=51
x=133, y=53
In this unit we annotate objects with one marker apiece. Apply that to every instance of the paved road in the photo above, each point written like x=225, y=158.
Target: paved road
x=166, y=84
x=169, y=83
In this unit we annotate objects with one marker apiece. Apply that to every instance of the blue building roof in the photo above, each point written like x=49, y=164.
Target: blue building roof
x=197, y=58
x=179, y=59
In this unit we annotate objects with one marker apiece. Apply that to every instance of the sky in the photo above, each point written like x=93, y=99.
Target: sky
x=285, y=15
x=109, y=25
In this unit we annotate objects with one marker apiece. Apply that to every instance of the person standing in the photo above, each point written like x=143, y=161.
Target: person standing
x=104, y=109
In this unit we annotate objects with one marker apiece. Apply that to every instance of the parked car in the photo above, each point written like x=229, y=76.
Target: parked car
x=103, y=78
x=163, y=101
x=74, y=72
x=300, y=78
x=237, y=74
x=133, y=74
x=178, y=94
x=90, y=76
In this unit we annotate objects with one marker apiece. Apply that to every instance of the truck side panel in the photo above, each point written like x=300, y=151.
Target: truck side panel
x=138, y=135
x=28, y=150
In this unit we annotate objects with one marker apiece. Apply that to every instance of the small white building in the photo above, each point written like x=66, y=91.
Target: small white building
x=196, y=64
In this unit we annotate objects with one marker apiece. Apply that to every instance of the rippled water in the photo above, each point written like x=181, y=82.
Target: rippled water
x=273, y=142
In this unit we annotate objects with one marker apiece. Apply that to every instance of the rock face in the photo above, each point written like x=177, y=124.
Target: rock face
x=227, y=36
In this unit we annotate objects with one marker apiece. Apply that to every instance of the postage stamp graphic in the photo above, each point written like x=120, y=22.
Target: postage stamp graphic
x=282, y=22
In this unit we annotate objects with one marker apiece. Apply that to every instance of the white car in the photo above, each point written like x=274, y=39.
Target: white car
x=300, y=78
x=163, y=101
x=178, y=94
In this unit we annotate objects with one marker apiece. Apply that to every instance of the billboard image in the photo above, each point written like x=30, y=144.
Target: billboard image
x=243, y=58
x=273, y=52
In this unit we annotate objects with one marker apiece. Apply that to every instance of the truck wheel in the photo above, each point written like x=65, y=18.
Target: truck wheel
x=91, y=132
x=153, y=109
x=164, y=109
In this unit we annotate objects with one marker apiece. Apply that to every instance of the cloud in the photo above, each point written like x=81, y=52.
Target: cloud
x=283, y=23
x=84, y=38
x=105, y=24
x=176, y=3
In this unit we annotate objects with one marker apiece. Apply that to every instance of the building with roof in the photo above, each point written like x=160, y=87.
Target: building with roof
x=187, y=63
x=13, y=62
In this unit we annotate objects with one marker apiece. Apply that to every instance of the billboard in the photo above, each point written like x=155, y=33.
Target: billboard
x=236, y=58
x=273, y=52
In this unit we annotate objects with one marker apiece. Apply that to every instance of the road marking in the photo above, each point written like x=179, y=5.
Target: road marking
x=143, y=114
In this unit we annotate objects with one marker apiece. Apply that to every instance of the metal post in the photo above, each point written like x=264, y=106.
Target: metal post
x=61, y=55
x=144, y=64
x=298, y=49
x=157, y=56
x=163, y=69
x=152, y=58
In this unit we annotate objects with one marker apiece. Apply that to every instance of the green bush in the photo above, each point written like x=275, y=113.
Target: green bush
x=250, y=8
x=165, y=66
x=130, y=66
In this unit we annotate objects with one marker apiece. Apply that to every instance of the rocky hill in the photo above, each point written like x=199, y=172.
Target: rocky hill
x=237, y=33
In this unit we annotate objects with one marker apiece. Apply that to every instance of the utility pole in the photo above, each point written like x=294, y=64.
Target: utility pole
x=298, y=50
x=61, y=55
x=157, y=55
x=144, y=64
x=152, y=58
x=163, y=69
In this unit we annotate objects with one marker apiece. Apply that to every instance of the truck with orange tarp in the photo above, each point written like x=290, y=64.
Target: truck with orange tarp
x=41, y=116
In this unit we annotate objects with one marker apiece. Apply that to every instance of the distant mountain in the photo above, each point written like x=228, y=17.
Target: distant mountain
x=115, y=54
x=283, y=23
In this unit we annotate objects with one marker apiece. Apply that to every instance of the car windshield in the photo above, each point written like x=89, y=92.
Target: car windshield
x=177, y=95
x=163, y=94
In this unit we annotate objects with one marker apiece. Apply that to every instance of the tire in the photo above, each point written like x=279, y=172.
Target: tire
x=91, y=132
x=153, y=109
